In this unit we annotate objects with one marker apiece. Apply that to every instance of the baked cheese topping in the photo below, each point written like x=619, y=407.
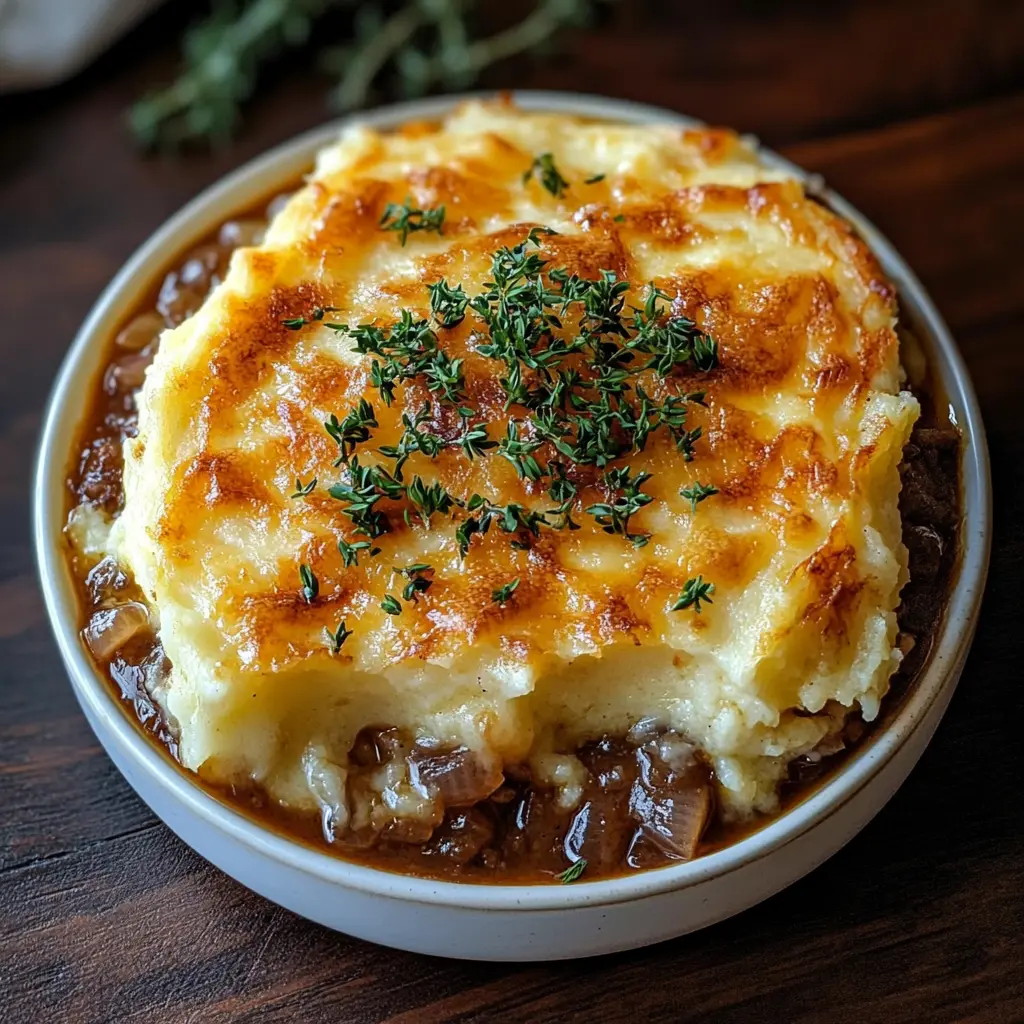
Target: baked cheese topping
x=532, y=641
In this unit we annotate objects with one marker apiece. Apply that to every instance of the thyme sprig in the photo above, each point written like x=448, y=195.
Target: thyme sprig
x=296, y=323
x=419, y=577
x=337, y=637
x=361, y=490
x=569, y=349
x=503, y=594
x=303, y=490
x=694, y=591
x=519, y=452
x=447, y=304
x=573, y=872
x=310, y=584
x=543, y=168
x=352, y=431
x=404, y=218
x=421, y=46
x=426, y=500
x=613, y=516
x=410, y=349
x=413, y=439
x=696, y=493
x=350, y=552
x=511, y=518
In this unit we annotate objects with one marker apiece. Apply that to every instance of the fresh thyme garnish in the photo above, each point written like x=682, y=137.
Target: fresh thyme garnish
x=391, y=605
x=337, y=638
x=410, y=349
x=695, y=591
x=614, y=516
x=444, y=375
x=573, y=872
x=502, y=594
x=427, y=499
x=474, y=440
x=350, y=552
x=594, y=179
x=696, y=493
x=352, y=430
x=464, y=533
x=303, y=490
x=419, y=582
x=410, y=47
x=510, y=518
x=295, y=323
x=544, y=168
x=413, y=440
x=564, y=491
x=535, y=232
x=383, y=377
x=570, y=350
x=603, y=302
x=518, y=452
x=406, y=218
x=365, y=486
x=310, y=584
x=672, y=342
x=619, y=218
x=447, y=304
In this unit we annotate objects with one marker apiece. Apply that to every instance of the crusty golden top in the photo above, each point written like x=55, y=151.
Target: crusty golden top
x=801, y=429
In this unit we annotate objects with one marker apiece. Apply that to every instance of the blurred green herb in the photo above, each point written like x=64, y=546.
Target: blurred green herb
x=414, y=45
x=695, y=591
x=404, y=218
x=337, y=638
x=696, y=493
x=304, y=490
x=310, y=584
x=544, y=170
x=503, y=594
x=573, y=872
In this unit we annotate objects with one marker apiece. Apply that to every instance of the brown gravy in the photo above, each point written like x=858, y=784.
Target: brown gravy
x=516, y=835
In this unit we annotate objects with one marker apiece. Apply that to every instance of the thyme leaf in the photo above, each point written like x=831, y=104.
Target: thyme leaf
x=696, y=493
x=573, y=872
x=404, y=218
x=503, y=594
x=352, y=430
x=694, y=591
x=310, y=584
x=338, y=637
x=303, y=490
x=350, y=552
x=544, y=169
x=447, y=304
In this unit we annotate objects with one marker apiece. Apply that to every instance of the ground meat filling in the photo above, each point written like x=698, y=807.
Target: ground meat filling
x=641, y=800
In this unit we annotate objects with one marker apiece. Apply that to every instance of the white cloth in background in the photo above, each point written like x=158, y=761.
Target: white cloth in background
x=45, y=41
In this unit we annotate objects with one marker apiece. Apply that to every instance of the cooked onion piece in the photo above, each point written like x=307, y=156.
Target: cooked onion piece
x=109, y=629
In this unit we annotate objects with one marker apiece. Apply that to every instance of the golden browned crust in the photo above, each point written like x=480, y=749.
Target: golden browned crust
x=233, y=412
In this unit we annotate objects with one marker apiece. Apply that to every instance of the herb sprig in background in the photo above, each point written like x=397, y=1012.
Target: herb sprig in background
x=407, y=49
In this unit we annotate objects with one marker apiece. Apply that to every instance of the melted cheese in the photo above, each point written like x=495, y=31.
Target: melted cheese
x=802, y=433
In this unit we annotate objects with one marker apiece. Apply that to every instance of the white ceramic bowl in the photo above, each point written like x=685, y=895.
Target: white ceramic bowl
x=499, y=922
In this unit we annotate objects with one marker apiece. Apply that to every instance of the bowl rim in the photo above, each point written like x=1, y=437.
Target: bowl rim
x=285, y=162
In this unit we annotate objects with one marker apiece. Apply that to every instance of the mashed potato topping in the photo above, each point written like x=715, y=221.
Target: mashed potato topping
x=536, y=636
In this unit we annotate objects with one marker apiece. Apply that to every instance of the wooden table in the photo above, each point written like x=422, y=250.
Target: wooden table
x=914, y=111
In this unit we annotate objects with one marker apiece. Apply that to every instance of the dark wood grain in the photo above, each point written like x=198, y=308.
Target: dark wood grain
x=913, y=110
